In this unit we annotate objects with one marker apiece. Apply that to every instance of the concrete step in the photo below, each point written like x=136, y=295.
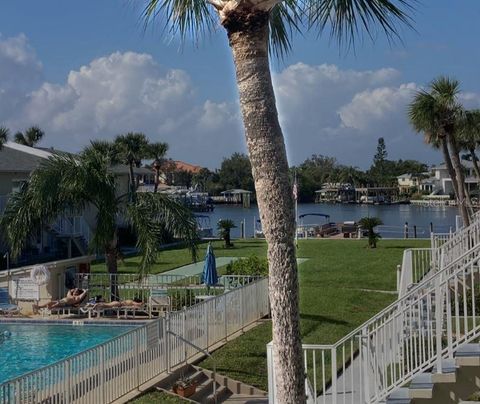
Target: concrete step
x=246, y=399
x=399, y=396
x=468, y=355
x=421, y=386
x=204, y=389
x=448, y=374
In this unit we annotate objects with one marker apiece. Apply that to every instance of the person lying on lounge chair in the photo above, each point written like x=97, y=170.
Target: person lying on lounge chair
x=135, y=303
x=74, y=298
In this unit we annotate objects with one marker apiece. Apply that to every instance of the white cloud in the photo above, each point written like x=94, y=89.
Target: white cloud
x=131, y=92
x=342, y=113
x=323, y=109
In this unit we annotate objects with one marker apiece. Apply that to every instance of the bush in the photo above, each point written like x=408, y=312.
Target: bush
x=252, y=265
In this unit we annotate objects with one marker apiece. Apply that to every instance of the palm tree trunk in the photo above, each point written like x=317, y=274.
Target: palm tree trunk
x=248, y=31
x=475, y=163
x=111, y=261
x=448, y=163
x=457, y=166
x=132, y=182
x=157, y=179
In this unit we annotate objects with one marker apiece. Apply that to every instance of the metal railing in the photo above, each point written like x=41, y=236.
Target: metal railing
x=73, y=226
x=108, y=371
x=435, y=313
x=416, y=264
x=411, y=335
x=183, y=290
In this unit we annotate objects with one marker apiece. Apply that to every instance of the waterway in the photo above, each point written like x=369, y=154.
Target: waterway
x=394, y=217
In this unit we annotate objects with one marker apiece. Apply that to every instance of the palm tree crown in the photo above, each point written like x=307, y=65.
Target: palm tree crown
x=65, y=181
x=4, y=133
x=31, y=137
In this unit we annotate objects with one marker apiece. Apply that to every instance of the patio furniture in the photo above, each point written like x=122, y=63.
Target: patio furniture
x=7, y=308
x=159, y=301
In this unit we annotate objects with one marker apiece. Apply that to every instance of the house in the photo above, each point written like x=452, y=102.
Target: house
x=407, y=182
x=69, y=235
x=440, y=183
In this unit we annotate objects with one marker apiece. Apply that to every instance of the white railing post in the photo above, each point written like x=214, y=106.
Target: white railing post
x=166, y=333
x=365, y=357
x=271, y=374
x=438, y=324
x=333, y=354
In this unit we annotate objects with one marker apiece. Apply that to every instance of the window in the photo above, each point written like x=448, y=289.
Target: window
x=17, y=185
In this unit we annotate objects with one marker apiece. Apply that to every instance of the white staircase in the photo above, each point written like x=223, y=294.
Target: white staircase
x=73, y=227
x=416, y=340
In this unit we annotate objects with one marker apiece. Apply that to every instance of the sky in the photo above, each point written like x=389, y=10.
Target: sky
x=88, y=70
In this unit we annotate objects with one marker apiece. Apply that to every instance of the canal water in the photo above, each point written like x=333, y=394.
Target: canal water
x=394, y=217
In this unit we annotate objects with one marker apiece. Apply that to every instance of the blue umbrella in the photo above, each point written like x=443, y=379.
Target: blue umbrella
x=209, y=274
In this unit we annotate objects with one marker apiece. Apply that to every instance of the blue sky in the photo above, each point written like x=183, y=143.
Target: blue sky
x=366, y=91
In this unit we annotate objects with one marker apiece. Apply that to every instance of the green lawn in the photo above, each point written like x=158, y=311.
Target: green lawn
x=177, y=256
x=337, y=294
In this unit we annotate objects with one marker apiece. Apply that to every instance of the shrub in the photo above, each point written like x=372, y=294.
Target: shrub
x=252, y=265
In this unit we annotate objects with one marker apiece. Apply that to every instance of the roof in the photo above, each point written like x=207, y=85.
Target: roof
x=405, y=176
x=15, y=157
x=443, y=166
x=182, y=166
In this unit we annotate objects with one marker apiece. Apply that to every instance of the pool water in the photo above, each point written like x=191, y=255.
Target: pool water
x=32, y=346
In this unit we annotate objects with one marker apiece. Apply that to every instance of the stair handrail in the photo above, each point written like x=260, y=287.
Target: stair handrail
x=411, y=293
x=205, y=352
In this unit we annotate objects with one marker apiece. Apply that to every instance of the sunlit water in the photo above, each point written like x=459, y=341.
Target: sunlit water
x=393, y=216
x=32, y=346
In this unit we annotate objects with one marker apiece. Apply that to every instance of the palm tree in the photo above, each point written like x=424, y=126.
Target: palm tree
x=470, y=136
x=4, y=133
x=157, y=152
x=65, y=181
x=31, y=137
x=255, y=29
x=436, y=113
x=131, y=149
x=369, y=224
x=224, y=226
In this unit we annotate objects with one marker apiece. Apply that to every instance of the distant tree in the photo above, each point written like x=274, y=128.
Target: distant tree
x=132, y=148
x=236, y=172
x=369, y=224
x=4, y=133
x=224, y=226
x=31, y=137
x=381, y=166
x=202, y=179
x=157, y=152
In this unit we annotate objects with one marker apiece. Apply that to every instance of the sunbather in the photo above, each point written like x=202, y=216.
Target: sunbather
x=73, y=298
x=135, y=303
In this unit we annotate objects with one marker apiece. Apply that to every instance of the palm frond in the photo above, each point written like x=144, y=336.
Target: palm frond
x=285, y=21
x=346, y=18
x=154, y=215
x=193, y=18
x=4, y=134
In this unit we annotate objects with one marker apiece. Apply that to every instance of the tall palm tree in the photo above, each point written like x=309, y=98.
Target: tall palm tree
x=157, y=152
x=436, y=113
x=255, y=28
x=4, y=133
x=65, y=181
x=470, y=136
x=132, y=148
x=31, y=137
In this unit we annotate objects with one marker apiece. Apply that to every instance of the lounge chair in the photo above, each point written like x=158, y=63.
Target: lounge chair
x=66, y=310
x=7, y=308
x=159, y=301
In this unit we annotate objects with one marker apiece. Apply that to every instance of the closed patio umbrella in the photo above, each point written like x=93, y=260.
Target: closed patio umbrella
x=209, y=275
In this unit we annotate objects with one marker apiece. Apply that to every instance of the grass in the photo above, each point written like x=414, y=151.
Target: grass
x=175, y=257
x=339, y=287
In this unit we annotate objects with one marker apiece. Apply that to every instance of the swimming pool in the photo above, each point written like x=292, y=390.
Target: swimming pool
x=32, y=346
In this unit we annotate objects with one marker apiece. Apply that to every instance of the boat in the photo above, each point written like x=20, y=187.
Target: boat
x=308, y=230
x=204, y=227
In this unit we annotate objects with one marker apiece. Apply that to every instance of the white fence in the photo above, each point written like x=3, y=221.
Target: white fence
x=107, y=372
x=416, y=264
x=409, y=336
